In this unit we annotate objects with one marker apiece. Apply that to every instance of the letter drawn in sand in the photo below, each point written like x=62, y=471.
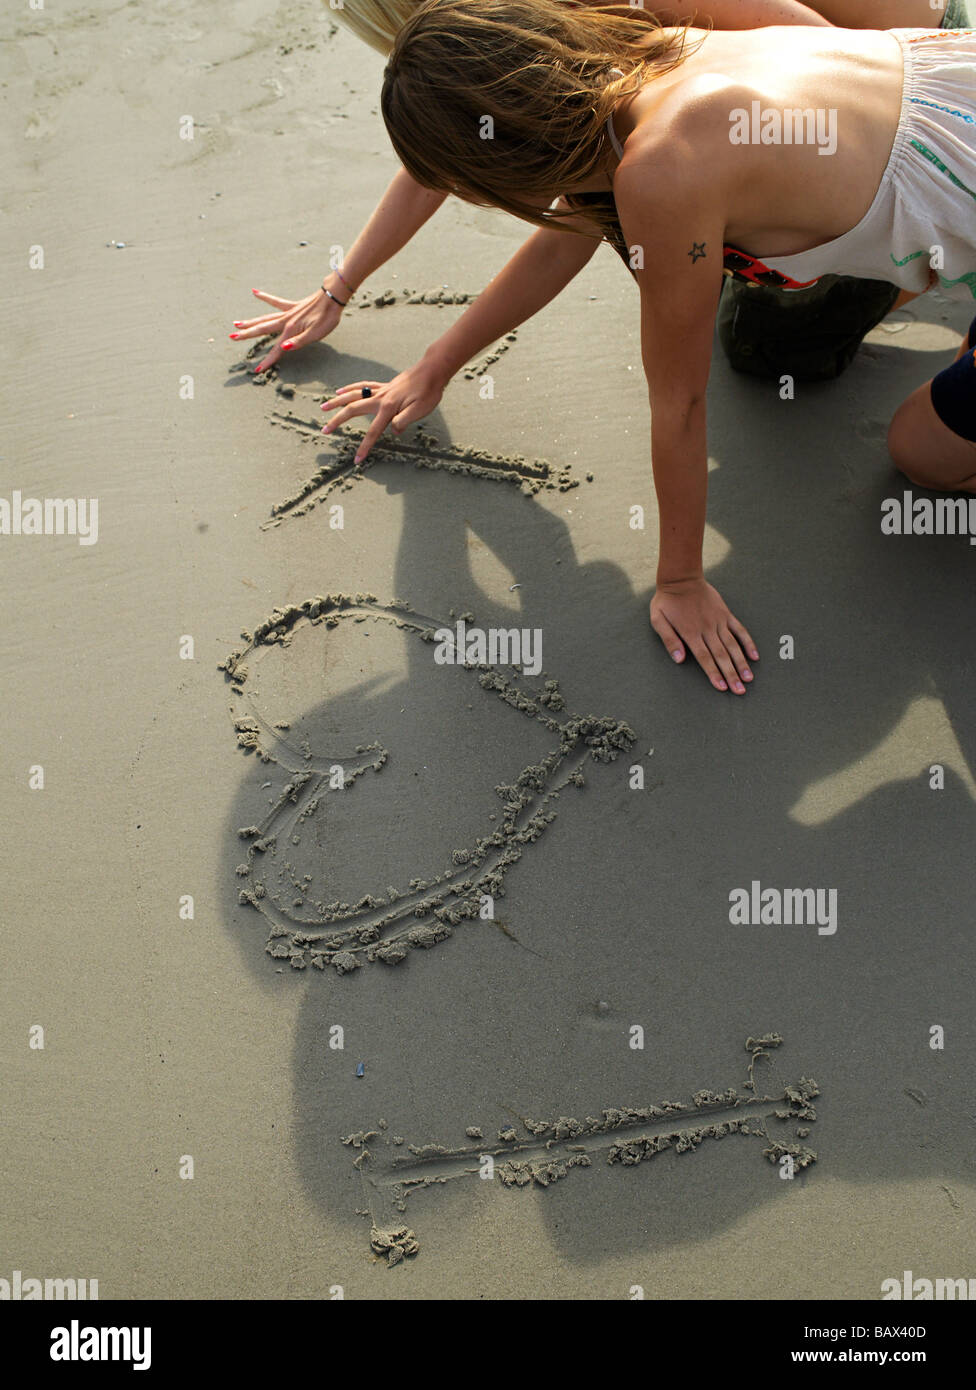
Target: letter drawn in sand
x=538, y=1153
x=423, y=450
x=386, y=925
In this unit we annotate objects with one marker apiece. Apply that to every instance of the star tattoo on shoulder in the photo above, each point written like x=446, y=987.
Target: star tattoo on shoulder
x=697, y=252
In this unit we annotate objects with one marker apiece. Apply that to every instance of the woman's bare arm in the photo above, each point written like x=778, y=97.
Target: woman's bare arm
x=881, y=14
x=672, y=207
x=743, y=14
x=541, y=268
x=537, y=272
x=398, y=216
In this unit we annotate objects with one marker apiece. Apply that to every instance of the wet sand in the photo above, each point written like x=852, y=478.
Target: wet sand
x=608, y=805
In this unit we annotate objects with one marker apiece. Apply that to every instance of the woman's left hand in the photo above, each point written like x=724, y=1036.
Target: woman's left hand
x=294, y=321
x=398, y=403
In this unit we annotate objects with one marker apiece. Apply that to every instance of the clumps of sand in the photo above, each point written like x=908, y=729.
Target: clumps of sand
x=386, y=927
x=440, y=297
x=422, y=449
x=277, y=628
x=799, y=1097
x=538, y=1153
x=800, y=1155
x=396, y=1243
x=386, y=299
x=541, y=1172
x=632, y=1151
x=479, y=367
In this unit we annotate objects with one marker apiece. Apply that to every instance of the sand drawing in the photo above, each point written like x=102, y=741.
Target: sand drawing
x=418, y=446
x=421, y=448
x=441, y=295
x=304, y=927
x=474, y=370
x=537, y=1153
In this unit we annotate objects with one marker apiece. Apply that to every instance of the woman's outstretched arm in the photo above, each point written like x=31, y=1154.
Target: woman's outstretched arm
x=400, y=213
x=845, y=14
x=882, y=14
x=743, y=14
x=677, y=218
x=537, y=272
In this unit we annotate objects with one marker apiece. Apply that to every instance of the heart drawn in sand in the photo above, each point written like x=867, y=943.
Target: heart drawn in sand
x=304, y=927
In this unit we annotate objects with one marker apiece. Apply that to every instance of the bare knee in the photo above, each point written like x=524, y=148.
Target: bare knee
x=908, y=444
x=927, y=451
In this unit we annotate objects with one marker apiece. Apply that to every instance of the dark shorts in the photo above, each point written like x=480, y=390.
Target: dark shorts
x=954, y=392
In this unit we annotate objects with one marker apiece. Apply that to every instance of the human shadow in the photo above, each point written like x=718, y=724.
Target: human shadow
x=618, y=915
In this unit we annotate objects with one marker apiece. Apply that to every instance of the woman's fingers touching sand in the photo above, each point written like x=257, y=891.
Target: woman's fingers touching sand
x=721, y=647
x=349, y=402
x=733, y=654
x=690, y=615
x=667, y=634
x=408, y=397
x=266, y=323
x=356, y=388
x=295, y=322
x=383, y=417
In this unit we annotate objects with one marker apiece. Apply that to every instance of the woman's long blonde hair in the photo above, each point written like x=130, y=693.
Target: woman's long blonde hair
x=506, y=101
x=376, y=22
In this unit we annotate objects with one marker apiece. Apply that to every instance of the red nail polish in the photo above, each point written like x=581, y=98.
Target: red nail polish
x=233, y=335
x=286, y=347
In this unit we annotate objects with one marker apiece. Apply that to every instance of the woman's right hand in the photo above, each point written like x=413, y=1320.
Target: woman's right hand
x=692, y=614
x=294, y=321
x=397, y=403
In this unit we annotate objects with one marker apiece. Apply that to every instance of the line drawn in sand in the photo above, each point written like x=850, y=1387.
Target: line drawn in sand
x=440, y=296
x=473, y=370
x=546, y=1150
x=424, y=450
x=386, y=927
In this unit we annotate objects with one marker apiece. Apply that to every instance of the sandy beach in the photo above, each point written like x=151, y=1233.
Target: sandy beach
x=246, y=807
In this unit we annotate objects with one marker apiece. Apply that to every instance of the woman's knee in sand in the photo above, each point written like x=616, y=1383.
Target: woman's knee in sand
x=927, y=451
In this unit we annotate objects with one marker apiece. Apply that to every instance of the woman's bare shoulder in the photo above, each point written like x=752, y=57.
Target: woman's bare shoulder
x=680, y=141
